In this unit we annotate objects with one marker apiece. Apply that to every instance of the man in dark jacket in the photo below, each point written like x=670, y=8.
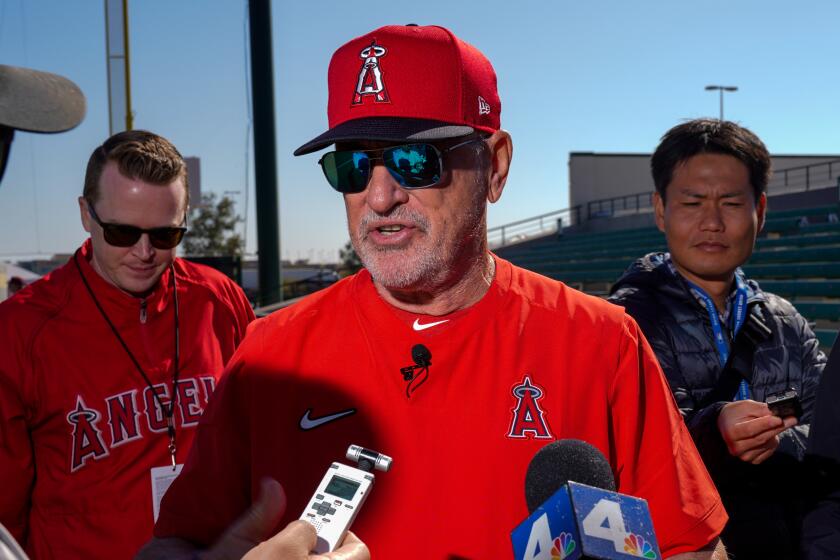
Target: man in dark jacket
x=821, y=525
x=692, y=303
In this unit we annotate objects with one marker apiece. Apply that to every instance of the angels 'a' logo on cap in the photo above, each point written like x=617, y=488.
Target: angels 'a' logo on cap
x=370, y=76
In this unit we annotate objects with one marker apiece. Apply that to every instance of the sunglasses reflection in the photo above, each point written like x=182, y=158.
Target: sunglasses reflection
x=413, y=166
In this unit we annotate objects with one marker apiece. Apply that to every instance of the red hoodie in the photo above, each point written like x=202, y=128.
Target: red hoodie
x=79, y=429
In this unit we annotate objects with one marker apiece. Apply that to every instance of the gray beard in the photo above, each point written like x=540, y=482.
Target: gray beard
x=433, y=263
x=402, y=272
x=409, y=272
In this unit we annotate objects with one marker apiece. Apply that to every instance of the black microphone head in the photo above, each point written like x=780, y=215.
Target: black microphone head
x=560, y=462
x=421, y=355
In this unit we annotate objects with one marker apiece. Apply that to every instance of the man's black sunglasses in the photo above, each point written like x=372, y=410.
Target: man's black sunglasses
x=121, y=235
x=413, y=166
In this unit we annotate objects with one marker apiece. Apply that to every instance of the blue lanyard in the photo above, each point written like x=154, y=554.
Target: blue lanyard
x=739, y=315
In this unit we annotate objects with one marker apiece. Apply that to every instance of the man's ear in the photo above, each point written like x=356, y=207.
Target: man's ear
x=659, y=211
x=501, y=153
x=84, y=214
x=761, y=211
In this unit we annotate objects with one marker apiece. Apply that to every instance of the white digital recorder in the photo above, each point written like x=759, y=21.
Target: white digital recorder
x=340, y=495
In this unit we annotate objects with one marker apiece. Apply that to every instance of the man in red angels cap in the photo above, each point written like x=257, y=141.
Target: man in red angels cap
x=457, y=364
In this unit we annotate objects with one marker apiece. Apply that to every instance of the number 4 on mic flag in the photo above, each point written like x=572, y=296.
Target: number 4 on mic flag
x=580, y=521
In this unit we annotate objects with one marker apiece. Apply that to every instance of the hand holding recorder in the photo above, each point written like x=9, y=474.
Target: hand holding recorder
x=247, y=535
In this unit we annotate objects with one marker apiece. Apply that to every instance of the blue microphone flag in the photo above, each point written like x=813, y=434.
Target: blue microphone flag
x=580, y=521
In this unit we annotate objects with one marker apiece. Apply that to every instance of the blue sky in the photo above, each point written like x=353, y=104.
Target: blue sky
x=604, y=76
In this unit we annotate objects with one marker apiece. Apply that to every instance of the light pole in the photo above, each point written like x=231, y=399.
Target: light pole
x=721, y=89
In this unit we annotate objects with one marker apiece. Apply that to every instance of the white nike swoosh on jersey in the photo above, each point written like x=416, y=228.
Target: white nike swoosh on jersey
x=307, y=423
x=417, y=326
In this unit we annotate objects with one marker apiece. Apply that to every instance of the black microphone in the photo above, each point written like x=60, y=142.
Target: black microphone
x=562, y=461
x=570, y=493
x=422, y=357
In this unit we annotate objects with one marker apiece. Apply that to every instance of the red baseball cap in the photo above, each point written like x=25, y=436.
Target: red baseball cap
x=408, y=83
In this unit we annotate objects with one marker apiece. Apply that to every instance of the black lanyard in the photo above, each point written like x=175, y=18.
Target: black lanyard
x=169, y=412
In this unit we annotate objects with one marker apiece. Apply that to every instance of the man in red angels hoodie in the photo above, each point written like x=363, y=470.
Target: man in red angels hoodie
x=107, y=363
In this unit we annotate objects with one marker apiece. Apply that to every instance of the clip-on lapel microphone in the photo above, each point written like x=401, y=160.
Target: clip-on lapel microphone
x=422, y=357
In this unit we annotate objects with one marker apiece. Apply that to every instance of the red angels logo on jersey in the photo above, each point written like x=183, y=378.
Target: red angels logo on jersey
x=370, y=76
x=130, y=416
x=528, y=418
x=87, y=438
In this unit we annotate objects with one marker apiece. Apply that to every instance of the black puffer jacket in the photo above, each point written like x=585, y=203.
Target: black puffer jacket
x=821, y=527
x=762, y=500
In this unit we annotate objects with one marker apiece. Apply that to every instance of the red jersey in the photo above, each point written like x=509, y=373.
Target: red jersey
x=79, y=427
x=531, y=362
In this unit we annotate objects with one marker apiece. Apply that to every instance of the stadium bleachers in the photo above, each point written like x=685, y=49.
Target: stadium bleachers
x=797, y=257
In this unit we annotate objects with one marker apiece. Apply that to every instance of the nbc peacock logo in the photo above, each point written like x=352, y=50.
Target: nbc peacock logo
x=563, y=547
x=637, y=546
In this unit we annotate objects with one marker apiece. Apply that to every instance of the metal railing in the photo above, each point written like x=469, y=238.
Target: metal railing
x=625, y=204
x=275, y=297
x=804, y=178
x=792, y=179
x=522, y=230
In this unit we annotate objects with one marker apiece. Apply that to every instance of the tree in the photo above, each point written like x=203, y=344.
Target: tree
x=350, y=261
x=212, y=228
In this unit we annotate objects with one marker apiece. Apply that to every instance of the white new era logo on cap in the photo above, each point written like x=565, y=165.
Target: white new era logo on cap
x=483, y=106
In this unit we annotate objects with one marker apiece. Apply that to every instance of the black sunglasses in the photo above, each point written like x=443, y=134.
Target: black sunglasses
x=413, y=166
x=121, y=235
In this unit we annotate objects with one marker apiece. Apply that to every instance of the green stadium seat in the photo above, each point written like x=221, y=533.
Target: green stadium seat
x=800, y=263
x=799, y=270
x=826, y=338
x=813, y=310
x=793, y=289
